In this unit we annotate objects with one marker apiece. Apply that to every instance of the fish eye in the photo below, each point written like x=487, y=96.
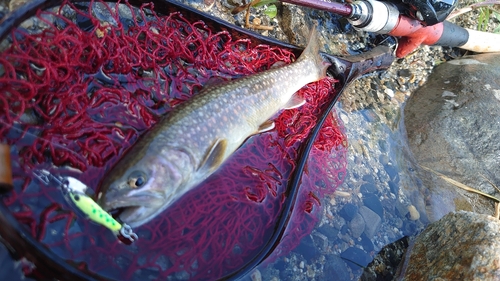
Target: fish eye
x=136, y=179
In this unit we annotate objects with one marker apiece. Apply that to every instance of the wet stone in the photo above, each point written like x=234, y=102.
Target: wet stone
x=344, y=229
x=366, y=243
x=368, y=178
x=368, y=188
x=382, y=144
x=404, y=72
x=335, y=267
x=460, y=246
x=307, y=248
x=372, y=201
x=280, y=265
x=386, y=262
x=409, y=228
x=372, y=221
x=391, y=171
x=357, y=225
x=394, y=187
x=321, y=241
x=349, y=211
x=330, y=232
x=401, y=209
x=355, y=258
x=339, y=222
x=384, y=159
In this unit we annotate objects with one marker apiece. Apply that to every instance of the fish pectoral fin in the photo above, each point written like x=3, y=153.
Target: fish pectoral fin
x=266, y=126
x=214, y=156
x=295, y=101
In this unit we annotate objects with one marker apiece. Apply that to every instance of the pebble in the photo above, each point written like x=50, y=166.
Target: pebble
x=366, y=243
x=301, y=264
x=307, y=248
x=339, y=222
x=413, y=213
x=372, y=201
x=328, y=231
x=368, y=188
x=391, y=171
x=355, y=258
x=372, y=221
x=357, y=226
x=389, y=92
x=349, y=211
x=256, y=276
x=335, y=267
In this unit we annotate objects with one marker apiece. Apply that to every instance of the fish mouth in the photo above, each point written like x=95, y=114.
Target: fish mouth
x=109, y=204
x=135, y=210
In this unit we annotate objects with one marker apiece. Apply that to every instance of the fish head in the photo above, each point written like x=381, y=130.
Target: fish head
x=142, y=190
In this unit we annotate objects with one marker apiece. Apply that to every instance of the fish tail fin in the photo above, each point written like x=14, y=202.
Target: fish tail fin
x=311, y=52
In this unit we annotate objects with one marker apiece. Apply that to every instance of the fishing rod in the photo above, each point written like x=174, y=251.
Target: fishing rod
x=415, y=22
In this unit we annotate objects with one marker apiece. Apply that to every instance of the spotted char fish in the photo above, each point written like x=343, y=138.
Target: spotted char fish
x=196, y=137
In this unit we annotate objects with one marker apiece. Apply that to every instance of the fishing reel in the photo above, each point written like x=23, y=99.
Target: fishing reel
x=382, y=16
x=429, y=12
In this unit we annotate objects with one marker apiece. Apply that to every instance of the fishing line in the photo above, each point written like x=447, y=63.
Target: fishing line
x=25, y=132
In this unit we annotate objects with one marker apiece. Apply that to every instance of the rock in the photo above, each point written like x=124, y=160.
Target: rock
x=386, y=262
x=330, y=232
x=321, y=241
x=371, y=201
x=349, y=211
x=372, y=221
x=256, y=275
x=460, y=246
x=307, y=248
x=392, y=172
x=453, y=128
x=357, y=225
x=338, y=223
x=355, y=258
x=368, y=178
x=335, y=267
x=366, y=243
x=368, y=188
x=413, y=214
x=394, y=187
x=409, y=228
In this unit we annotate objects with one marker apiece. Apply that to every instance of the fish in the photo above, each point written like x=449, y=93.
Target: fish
x=192, y=141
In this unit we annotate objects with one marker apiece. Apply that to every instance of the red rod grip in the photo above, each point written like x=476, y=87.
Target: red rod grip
x=413, y=34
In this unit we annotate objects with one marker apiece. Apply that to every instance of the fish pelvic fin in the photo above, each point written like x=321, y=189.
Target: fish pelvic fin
x=311, y=52
x=266, y=126
x=214, y=157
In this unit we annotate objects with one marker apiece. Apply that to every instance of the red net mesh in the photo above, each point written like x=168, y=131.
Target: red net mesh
x=76, y=95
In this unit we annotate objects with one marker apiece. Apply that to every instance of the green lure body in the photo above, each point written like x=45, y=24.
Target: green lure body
x=94, y=212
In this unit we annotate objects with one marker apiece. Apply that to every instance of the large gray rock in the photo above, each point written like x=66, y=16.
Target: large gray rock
x=460, y=246
x=453, y=126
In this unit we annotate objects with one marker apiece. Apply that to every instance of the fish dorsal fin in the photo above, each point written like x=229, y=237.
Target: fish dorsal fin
x=214, y=156
x=266, y=126
x=294, y=102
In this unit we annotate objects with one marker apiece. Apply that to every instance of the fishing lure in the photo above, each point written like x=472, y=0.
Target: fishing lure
x=76, y=191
